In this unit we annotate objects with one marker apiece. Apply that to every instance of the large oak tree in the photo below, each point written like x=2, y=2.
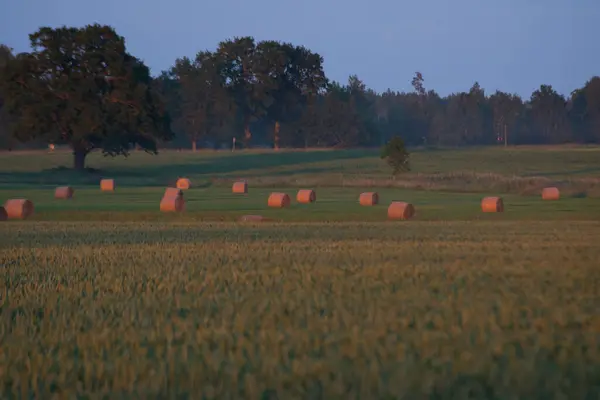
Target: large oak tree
x=79, y=86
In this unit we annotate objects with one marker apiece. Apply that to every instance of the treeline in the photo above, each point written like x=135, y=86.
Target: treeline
x=79, y=86
x=350, y=114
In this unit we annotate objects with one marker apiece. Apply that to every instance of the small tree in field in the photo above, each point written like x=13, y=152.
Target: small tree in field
x=395, y=154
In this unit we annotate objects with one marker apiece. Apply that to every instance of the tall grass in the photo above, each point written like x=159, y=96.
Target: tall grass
x=369, y=310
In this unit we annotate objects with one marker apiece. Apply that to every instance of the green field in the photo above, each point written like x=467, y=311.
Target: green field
x=104, y=296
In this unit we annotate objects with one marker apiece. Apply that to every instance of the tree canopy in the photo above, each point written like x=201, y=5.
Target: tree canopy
x=80, y=86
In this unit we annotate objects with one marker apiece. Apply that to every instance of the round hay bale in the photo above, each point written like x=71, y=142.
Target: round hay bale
x=369, y=199
x=107, y=185
x=550, y=193
x=183, y=183
x=3, y=214
x=172, y=204
x=279, y=200
x=18, y=208
x=173, y=192
x=63, y=192
x=492, y=205
x=306, y=196
x=401, y=210
x=253, y=218
x=240, y=187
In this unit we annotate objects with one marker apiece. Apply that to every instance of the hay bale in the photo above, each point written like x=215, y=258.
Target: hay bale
x=107, y=185
x=368, y=199
x=306, y=196
x=279, y=200
x=172, y=204
x=173, y=192
x=183, y=183
x=492, y=205
x=240, y=187
x=63, y=192
x=3, y=214
x=172, y=201
x=401, y=210
x=18, y=208
x=550, y=193
x=253, y=218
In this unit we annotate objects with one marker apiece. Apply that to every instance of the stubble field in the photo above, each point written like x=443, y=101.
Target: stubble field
x=104, y=296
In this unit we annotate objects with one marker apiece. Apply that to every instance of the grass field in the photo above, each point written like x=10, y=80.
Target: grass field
x=103, y=296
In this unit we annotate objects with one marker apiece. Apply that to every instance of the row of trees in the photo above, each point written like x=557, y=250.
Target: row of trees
x=80, y=86
x=278, y=95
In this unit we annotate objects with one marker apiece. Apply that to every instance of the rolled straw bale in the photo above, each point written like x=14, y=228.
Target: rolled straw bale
x=172, y=201
x=306, y=196
x=173, y=192
x=550, y=193
x=492, y=205
x=369, y=199
x=240, y=187
x=107, y=185
x=18, y=208
x=401, y=210
x=172, y=204
x=253, y=218
x=63, y=192
x=279, y=200
x=3, y=215
x=183, y=183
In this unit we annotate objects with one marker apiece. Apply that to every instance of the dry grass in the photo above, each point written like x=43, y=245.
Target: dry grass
x=300, y=311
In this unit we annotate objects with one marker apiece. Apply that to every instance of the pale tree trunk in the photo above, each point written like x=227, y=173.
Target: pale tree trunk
x=194, y=145
x=276, y=135
x=247, y=133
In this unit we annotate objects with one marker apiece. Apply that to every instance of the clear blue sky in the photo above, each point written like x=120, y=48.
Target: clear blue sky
x=512, y=45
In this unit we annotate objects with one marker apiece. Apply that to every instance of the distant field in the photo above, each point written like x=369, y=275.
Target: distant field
x=512, y=170
x=104, y=296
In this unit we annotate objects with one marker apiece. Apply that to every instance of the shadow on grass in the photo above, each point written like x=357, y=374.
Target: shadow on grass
x=582, y=171
x=164, y=174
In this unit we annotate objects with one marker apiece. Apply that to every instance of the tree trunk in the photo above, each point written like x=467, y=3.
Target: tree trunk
x=79, y=159
x=247, y=133
x=194, y=147
x=276, y=136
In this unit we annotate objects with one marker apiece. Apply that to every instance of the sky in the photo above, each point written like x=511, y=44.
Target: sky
x=510, y=45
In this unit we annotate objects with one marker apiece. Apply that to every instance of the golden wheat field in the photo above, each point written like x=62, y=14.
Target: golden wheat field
x=422, y=309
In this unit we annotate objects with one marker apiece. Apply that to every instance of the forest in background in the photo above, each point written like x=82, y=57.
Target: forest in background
x=266, y=94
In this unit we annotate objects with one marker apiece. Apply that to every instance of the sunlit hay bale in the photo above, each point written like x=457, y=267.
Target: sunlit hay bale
x=63, y=192
x=183, y=183
x=492, y=205
x=550, y=193
x=279, y=200
x=368, y=199
x=172, y=204
x=107, y=185
x=401, y=210
x=306, y=196
x=173, y=192
x=253, y=218
x=3, y=214
x=240, y=187
x=172, y=201
x=18, y=208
